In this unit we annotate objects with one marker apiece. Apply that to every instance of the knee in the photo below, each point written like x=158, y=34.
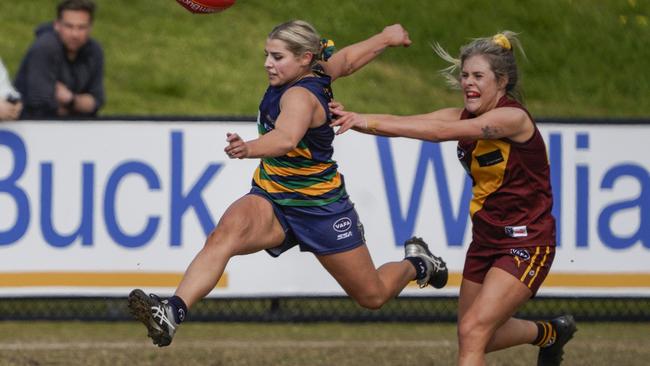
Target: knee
x=222, y=238
x=371, y=303
x=213, y=239
x=232, y=225
x=472, y=333
x=371, y=300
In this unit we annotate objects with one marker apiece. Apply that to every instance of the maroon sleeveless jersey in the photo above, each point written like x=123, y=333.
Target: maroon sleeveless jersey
x=512, y=199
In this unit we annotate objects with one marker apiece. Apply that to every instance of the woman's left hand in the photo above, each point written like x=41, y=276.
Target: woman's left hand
x=237, y=148
x=397, y=36
x=334, y=105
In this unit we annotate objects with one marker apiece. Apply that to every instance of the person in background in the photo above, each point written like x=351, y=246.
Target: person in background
x=513, y=230
x=298, y=196
x=62, y=73
x=10, y=104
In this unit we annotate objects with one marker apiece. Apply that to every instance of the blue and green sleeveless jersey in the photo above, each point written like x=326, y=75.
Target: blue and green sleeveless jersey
x=307, y=175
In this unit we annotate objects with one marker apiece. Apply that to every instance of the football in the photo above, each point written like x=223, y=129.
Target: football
x=206, y=6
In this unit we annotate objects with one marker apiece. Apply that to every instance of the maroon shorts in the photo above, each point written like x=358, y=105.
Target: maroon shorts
x=529, y=264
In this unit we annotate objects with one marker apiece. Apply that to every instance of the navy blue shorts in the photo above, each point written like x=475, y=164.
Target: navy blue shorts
x=322, y=230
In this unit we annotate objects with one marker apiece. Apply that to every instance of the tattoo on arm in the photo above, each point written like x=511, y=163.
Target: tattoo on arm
x=489, y=132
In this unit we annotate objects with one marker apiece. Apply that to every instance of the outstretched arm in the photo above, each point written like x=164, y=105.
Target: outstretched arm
x=351, y=58
x=442, y=125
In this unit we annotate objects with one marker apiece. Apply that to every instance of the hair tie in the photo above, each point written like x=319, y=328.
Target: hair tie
x=327, y=49
x=502, y=41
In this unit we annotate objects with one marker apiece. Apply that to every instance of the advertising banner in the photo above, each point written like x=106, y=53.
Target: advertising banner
x=99, y=208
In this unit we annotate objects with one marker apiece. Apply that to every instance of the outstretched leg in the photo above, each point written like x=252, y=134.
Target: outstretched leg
x=372, y=288
x=248, y=225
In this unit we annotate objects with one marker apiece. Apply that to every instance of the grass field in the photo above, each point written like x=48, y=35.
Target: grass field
x=585, y=58
x=238, y=344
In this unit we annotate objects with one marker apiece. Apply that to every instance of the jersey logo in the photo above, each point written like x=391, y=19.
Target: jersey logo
x=516, y=231
x=491, y=158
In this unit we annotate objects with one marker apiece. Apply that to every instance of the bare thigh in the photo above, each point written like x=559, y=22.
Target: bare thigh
x=469, y=290
x=353, y=269
x=370, y=287
x=248, y=226
x=494, y=301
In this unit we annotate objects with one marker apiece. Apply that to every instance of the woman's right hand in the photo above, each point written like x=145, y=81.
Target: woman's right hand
x=237, y=148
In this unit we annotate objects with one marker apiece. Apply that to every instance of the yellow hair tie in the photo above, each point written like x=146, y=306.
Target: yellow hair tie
x=502, y=41
x=327, y=49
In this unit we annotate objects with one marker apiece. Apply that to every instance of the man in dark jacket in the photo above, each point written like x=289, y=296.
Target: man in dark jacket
x=63, y=71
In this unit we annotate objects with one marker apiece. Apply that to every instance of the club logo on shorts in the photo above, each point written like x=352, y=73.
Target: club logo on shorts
x=342, y=225
x=531, y=273
x=521, y=253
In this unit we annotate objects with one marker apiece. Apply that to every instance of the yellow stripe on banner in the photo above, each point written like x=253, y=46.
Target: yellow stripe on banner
x=96, y=279
x=454, y=280
x=597, y=280
x=605, y=280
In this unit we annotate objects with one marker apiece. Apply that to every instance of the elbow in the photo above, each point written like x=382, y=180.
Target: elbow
x=348, y=69
x=428, y=135
x=286, y=147
x=440, y=134
x=438, y=137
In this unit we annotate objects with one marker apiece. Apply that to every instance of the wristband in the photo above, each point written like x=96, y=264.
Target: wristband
x=372, y=126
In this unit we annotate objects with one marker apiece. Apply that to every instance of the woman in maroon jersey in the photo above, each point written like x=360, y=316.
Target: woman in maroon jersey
x=513, y=231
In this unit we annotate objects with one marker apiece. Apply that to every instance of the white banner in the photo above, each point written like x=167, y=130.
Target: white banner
x=99, y=208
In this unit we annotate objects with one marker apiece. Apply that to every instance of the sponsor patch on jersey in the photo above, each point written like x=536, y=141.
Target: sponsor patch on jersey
x=491, y=158
x=516, y=231
x=521, y=253
x=342, y=225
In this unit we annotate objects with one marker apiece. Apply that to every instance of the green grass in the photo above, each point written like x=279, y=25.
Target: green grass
x=237, y=344
x=585, y=58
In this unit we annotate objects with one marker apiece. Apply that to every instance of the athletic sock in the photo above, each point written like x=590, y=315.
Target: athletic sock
x=546, y=334
x=420, y=267
x=179, y=307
